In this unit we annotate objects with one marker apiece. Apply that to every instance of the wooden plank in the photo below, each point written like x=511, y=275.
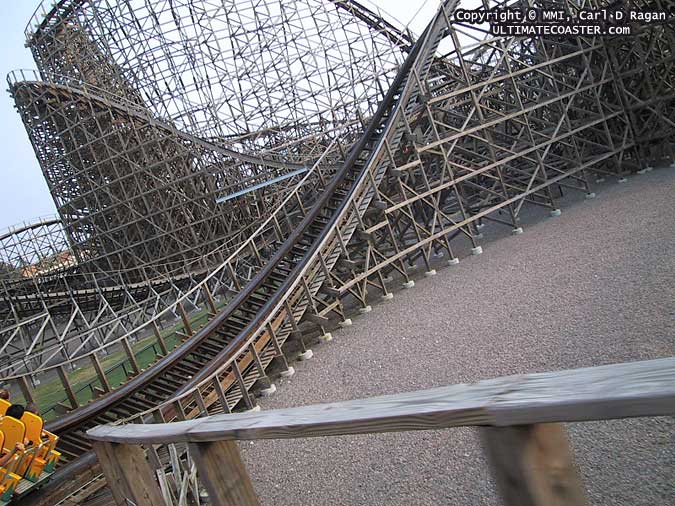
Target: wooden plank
x=533, y=465
x=410, y=165
x=597, y=393
x=129, y=475
x=223, y=473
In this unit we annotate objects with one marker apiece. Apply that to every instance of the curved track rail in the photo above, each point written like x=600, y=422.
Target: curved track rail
x=230, y=353
x=394, y=170
x=147, y=195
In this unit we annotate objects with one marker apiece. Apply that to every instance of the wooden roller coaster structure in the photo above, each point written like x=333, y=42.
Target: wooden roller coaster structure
x=469, y=129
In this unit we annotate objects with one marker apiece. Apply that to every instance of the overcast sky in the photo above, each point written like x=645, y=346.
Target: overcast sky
x=23, y=192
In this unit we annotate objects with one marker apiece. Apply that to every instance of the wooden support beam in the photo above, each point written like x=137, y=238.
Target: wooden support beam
x=130, y=355
x=26, y=390
x=66, y=386
x=160, y=339
x=209, y=300
x=223, y=473
x=533, y=465
x=105, y=384
x=315, y=318
x=331, y=291
x=129, y=475
x=185, y=319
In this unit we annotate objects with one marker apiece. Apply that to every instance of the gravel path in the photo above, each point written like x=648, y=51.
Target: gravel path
x=594, y=286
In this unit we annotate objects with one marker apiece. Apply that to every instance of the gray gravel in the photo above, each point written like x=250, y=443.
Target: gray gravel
x=592, y=287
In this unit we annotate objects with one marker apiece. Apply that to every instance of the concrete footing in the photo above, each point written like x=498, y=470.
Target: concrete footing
x=388, y=296
x=288, y=373
x=623, y=180
x=256, y=408
x=347, y=322
x=266, y=392
x=517, y=231
x=326, y=337
x=306, y=355
x=453, y=261
x=477, y=250
x=430, y=273
x=590, y=195
x=554, y=213
x=600, y=180
x=364, y=310
x=409, y=284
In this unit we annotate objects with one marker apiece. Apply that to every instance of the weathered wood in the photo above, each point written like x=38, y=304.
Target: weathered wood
x=105, y=384
x=599, y=393
x=185, y=319
x=160, y=339
x=213, y=310
x=130, y=355
x=533, y=465
x=67, y=386
x=26, y=390
x=129, y=475
x=331, y=291
x=223, y=473
x=316, y=319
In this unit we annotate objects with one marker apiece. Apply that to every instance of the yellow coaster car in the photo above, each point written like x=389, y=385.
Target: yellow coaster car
x=29, y=466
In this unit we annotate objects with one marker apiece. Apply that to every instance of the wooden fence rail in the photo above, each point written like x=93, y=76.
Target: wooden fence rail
x=519, y=419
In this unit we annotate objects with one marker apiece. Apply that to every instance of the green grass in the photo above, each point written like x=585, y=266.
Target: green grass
x=117, y=367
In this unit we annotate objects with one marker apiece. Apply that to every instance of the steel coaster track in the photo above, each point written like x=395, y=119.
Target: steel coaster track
x=231, y=352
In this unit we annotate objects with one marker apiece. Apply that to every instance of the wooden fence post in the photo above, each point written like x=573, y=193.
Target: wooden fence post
x=533, y=465
x=223, y=473
x=129, y=475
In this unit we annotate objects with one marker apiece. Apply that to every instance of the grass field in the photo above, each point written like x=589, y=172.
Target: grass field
x=117, y=367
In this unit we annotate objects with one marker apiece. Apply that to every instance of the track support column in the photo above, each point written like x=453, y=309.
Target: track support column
x=533, y=465
x=128, y=474
x=223, y=474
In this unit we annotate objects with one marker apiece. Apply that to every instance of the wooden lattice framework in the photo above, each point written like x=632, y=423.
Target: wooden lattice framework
x=471, y=129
